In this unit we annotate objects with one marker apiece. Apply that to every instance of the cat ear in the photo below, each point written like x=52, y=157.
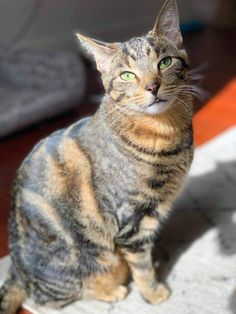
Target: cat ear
x=101, y=51
x=167, y=23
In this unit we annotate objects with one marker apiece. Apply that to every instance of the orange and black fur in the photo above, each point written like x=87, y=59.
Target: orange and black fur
x=88, y=201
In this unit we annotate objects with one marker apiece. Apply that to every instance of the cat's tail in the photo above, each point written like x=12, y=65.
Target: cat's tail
x=12, y=295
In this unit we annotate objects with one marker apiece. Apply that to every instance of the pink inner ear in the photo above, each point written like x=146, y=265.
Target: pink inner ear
x=167, y=23
x=171, y=32
x=102, y=56
x=171, y=26
x=103, y=63
x=102, y=52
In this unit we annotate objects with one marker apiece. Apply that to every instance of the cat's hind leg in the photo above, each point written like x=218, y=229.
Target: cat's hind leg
x=109, y=286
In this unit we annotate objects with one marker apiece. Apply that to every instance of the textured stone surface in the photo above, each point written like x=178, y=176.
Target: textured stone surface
x=197, y=248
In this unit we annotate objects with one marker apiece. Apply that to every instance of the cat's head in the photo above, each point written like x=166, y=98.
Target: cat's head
x=144, y=74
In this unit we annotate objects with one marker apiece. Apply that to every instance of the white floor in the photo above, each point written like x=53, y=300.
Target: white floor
x=197, y=247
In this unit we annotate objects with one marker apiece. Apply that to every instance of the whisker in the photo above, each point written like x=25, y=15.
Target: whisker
x=185, y=106
x=196, y=78
x=120, y=116
x=202, y=67
x=117, y=107
x=195, y=90
x=187, y=93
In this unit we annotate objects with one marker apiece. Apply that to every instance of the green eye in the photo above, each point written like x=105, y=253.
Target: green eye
x=127, y=76
x=165, y=63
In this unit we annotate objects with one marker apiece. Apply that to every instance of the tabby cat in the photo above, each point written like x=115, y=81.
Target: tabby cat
x=88, y=201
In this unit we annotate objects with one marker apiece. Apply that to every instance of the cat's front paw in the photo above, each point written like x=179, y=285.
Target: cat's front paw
x=119, y=294
x=157, y=295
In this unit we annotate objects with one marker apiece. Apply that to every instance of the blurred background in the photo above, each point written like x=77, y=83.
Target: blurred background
x=46, y=84
x=48, y=24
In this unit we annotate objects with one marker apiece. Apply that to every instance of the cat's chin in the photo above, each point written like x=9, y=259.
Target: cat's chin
x=158, y=107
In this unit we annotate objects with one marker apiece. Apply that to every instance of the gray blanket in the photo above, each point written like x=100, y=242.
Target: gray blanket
x=35, y=85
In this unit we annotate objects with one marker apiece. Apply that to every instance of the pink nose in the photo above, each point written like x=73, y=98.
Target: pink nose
x=152, y=87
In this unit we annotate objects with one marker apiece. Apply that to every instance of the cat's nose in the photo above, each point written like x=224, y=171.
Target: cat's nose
x=152, y=87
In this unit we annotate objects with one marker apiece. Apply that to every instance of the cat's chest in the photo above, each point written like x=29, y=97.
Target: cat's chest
x=126, y=177
x=126, y=183
x=132, y=176
x=122, y=180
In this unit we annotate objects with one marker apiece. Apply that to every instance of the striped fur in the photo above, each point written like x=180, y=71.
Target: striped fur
x=89, y=199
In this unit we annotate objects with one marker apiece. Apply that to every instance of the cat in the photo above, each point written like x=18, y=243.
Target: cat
x=88, y=201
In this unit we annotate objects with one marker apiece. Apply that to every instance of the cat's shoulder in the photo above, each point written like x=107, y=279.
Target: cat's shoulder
x=50, y=145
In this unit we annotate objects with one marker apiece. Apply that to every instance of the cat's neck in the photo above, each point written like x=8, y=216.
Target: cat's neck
x=165, y=130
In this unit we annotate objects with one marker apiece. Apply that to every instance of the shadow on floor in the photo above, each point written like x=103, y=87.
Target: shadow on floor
x=208, y=201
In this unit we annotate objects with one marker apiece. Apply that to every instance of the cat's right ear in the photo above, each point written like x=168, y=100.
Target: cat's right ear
x=101, y=51
x=167, y=23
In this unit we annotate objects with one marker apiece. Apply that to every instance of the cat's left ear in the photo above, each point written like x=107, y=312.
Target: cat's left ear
x=167, y=23
x=101, y=51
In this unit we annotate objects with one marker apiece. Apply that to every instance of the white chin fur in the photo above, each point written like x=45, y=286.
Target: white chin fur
x=159, y=107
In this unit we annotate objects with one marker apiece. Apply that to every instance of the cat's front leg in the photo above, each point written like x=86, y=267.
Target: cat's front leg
x=145, y=277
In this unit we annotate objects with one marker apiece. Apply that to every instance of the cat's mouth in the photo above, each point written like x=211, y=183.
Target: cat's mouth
x=158, y=106
x=158, y=100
